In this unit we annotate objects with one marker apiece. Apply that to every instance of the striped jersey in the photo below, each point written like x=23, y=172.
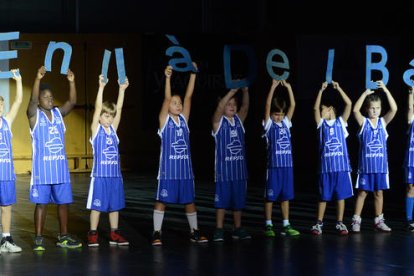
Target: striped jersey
x=49, y=162
x=279, y=146
x=175, y=156
x=373, y=147
x=6, y=156
x=409, y=155
x=333, y=150
x=230, y=156
x=106, y=162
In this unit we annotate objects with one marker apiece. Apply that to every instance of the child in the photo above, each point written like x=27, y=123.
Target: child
x=373, y=163
x=106, y=191
x=175, y=175
x=50, y=180
x=230, y=163
x=279, y=177
x=7, y=175
x=334, y=172
x=409, y=163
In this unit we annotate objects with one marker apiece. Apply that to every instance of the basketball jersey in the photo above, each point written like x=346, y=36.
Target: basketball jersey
x=175, y=156
x=230, y=154
x=279, y=146
x=332, y=146
x=6, y=156
x=106, y=162
x=49, y=164
x=409, y=155
x=373, y=147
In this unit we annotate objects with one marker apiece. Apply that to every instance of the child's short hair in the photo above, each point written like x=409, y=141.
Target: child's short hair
x=108, y=107
x=278, y=105
x=44, y=87
x=372, y=98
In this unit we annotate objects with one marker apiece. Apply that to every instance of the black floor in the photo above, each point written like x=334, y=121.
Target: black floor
x=329, y=254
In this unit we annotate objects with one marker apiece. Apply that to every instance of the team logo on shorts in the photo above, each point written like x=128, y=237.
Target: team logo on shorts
x=216, y=198
x=410, y=175
x=35, y=193
x=362, y=181
x=270, y=192
x=97, y=203
x=164, y=193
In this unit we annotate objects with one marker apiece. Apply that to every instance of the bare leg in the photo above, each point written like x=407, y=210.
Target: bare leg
x=94, y=218
x=39, y=218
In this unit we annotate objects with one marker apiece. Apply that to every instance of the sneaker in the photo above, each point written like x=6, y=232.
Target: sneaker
x=341, y=229
x=410, y=226
x=68, y=241
x=269, y=232
x=8, y=245
x=93, y=238
x=218, y=235
x=289, y=231
x=240, y=234
x=380, y=224
x=38, y=244
x=115, y=238
x=356, y=224
x=156, y=238
x=317, y=229
x=196, y=236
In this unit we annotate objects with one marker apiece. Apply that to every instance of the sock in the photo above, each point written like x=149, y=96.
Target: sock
x=285, y=222
x=6, y=235
x=192, y=221
x=158, y=218
x=114, y=229
x=409, y=204
x=319, y=222
x=356, y=217
x=269, y=222
x=339, y=222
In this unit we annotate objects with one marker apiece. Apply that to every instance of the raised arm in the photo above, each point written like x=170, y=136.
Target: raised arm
x=19, y=97
x=220, y=108
x=357, y=107
x=98, y=105
x=346, y=99
x=244, y=109
x=167, y=96
x=292, y=104
x=34, y=98
x=120, y=103
x=393, y=105
x=317, y=105
x=189, y=93
x=268, y=105
x=67, y=107
x=410, y=104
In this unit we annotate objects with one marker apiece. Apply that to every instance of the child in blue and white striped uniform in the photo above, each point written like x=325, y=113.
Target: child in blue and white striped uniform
x=409, y=163
x=335, y=169
x=175, y=175
x=279, y=176
x=106, y=190
x=7, y=175
x=230, y=162
x=373, y=163
x=50, y=180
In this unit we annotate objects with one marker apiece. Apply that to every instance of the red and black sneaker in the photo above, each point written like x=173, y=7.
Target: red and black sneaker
x=93, y=238
x=117, y=239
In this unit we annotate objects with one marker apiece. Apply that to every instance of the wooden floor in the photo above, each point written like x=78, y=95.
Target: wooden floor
x=329, y=254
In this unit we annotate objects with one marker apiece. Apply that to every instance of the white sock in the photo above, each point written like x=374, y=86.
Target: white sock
x=5, y=235
x=269, y=222
x=158, y=218
x=356, y=217
x=192, y=221
x=285, y=222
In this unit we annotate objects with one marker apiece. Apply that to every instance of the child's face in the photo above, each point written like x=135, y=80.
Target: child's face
x=327, y=112
x=176, y=106
x=374, y=109
x=46, y=99
x=106, y=119
x=231, y=108
x=277, y=116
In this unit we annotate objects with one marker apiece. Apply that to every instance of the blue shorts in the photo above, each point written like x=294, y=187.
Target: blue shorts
x=336, y=185
x=7, y=193
x=373, y=182
x=51, y=193
x=106, y=194
x=279, y=184
x=175, y=191
x=230, y=195
x=409, y=175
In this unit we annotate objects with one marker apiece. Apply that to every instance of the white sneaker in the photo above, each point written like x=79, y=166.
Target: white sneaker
x=8, y=245
x=356, y=224
x=380, y=224
x=317, y=229
x=341, y=229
